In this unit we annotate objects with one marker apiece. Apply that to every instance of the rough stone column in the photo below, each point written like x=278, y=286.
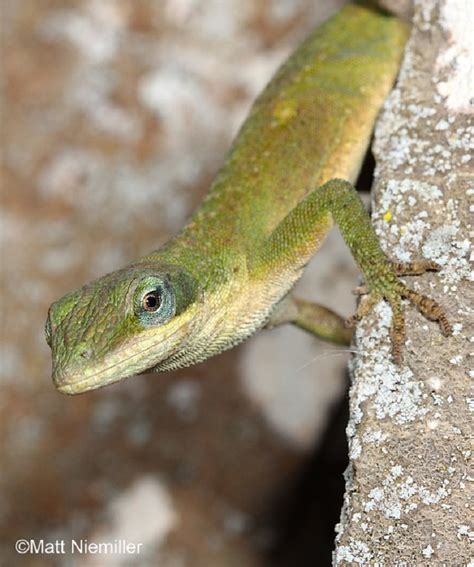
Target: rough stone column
x=407, y=485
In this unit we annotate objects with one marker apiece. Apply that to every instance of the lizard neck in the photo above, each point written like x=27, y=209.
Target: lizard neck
x=231, y=304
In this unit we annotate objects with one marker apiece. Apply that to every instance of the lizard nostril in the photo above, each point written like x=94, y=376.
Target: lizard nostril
x=86, y=353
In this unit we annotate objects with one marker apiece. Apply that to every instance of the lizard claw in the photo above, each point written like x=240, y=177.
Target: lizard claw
x=368, y=300
x=360, y=290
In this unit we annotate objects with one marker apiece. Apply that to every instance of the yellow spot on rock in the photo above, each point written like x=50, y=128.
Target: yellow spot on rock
x=387, y=216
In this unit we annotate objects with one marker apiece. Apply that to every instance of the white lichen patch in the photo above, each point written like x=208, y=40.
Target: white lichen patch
x=435, y=383
x=442, y=125
x=457, y=328
x=393, y=391
x=465, y=531
x=399, y=396
x=399, y=142
x=442, y=246
x=423, y=15
x=355, y=448
x=427, y=551
x=394, y=199
x=439, y=244
x=455, y=61
x=398, y=135
x=374, y=436
x=411, y=236
x=357, y=552
x=400, y=495
x=393, y=134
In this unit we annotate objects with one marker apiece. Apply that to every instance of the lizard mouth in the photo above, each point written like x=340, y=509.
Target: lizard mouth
x=138, y=359
x=78, y=384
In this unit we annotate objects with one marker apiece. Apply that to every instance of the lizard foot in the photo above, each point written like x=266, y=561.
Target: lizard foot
x=393, y=291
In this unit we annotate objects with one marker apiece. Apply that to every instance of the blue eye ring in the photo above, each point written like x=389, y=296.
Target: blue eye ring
x=155, y=301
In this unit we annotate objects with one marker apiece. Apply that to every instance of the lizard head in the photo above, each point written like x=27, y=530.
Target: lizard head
x=122, y=324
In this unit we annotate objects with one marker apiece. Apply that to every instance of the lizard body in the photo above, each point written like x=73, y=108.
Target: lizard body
x=286, y=180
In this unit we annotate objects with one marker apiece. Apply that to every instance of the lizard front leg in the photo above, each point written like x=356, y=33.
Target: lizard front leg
x=301, y=232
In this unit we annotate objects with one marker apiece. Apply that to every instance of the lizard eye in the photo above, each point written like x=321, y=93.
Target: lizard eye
x=152, y=301
x=155, y=301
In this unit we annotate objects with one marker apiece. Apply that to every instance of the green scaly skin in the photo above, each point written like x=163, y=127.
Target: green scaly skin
x=269, y=209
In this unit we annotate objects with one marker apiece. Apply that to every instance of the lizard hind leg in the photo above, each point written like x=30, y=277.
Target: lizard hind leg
x=312, y=318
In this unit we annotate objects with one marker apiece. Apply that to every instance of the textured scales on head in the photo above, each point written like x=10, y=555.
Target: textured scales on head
x=104, y=331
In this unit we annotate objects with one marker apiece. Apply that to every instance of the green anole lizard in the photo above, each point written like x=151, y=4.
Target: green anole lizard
x=229, y=272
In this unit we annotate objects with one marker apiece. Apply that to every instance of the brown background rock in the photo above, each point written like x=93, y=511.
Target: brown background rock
x=116, y=116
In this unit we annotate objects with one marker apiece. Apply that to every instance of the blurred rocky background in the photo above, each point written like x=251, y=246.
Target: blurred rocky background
x=115, y=117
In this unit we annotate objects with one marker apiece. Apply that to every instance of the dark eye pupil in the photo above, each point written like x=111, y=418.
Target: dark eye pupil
x=151, y=301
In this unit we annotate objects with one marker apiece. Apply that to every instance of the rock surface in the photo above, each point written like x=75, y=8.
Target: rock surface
x=407, y=486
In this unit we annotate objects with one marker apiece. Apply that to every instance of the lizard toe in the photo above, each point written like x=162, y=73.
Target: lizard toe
x=415, y=268
x=430, y=309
